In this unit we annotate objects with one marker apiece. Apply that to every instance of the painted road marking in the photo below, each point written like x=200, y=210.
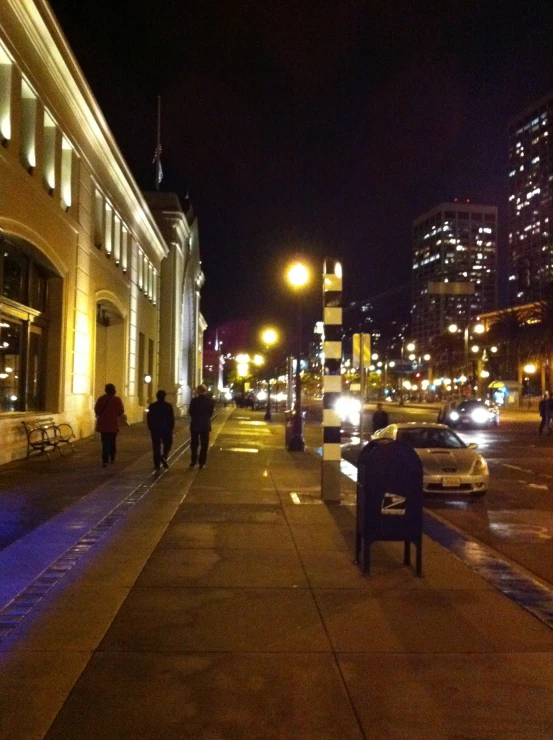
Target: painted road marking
x=541, y=486
x=516, y=467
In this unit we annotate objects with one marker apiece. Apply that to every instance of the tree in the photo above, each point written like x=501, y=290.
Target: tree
x=508, y=332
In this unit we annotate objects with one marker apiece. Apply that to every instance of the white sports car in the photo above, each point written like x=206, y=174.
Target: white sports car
x=449, y=465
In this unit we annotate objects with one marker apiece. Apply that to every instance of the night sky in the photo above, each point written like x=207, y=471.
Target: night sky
x=314, y=128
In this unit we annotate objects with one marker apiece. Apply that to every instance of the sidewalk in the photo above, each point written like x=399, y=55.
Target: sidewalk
x=219, y=608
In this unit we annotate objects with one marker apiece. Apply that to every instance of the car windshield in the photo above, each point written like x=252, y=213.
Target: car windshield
x=430, y=438
x=471, y=405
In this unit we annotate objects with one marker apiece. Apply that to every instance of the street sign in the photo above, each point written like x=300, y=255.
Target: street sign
x=356, y=360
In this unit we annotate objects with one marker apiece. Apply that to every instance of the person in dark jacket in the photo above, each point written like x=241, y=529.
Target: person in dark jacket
x=543, y=411
x=200, y=412
x=108, y=409
x=380, y=418
x=161, y=422
x=549, y=414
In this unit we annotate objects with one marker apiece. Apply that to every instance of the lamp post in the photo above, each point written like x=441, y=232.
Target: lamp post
x=268, y=337
x=298, y=276
x=477, y=329
x=410, y=348
x=243, y=370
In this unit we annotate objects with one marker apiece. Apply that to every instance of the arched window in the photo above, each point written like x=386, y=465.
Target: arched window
x=23, y=328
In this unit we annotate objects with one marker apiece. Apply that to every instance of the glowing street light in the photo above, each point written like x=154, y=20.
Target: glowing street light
x=243, y=369
x=479, y=329
x=453, y=328
x=475, y=348
x=298, y=275
x=411, y=347
x=269, y=337
x=258, y=360
x=530, y=368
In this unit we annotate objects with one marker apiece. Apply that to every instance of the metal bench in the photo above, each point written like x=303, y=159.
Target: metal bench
x=45, y=436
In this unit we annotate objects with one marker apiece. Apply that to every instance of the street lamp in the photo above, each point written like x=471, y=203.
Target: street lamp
x=298, y=276
x=269, y=337
x=477, y=329
x=410, y=348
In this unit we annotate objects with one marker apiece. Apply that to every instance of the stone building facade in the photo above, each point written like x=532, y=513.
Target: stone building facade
x=95, y=286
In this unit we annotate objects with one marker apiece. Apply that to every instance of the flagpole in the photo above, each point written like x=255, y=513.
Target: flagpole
x=158, y=142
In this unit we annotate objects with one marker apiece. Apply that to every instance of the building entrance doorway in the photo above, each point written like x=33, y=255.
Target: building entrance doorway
x=110, y=361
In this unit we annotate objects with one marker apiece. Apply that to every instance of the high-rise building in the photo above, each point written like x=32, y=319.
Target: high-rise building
x=454, y=266
x=531, y=202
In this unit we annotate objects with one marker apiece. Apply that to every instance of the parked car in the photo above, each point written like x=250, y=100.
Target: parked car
x=474, y=414
x=449, y=465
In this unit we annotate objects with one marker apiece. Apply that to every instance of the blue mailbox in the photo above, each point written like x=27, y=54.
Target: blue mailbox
x=389, y=500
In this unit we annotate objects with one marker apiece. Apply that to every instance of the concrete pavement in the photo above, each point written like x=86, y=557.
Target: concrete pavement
x=224, y=604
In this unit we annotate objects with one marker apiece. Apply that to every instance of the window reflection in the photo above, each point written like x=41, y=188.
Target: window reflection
x=23, y=329
x=10, y=364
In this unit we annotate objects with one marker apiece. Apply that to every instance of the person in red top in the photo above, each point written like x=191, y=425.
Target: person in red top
x=108, y=409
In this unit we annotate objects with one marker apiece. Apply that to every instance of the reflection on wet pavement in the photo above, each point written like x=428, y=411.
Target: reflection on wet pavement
x=517, y=586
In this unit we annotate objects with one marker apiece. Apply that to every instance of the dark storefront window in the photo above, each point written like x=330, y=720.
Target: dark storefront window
x=23, y=330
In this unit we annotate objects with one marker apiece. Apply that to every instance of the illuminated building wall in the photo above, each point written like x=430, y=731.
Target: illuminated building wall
x=531, y=202
x=81, y=254
x=181, y=329
x=452, y=243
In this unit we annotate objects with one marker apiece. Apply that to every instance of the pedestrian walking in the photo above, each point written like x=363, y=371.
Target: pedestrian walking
x=108, y=409
x=543, y=411
x=380, y=418
x=549, y=413
x=200, y=412
x=161, y=422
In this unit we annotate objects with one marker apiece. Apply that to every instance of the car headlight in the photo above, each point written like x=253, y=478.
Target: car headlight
x=454, y=416
x=480, y=466
x=348, y=408
x=480, y=416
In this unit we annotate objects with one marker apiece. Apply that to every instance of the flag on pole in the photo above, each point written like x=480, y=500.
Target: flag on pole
x=157, y=161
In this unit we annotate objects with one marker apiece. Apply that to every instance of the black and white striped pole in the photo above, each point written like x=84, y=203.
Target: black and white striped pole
x=332, y=378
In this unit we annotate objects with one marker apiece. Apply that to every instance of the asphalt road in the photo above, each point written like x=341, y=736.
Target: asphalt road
x=516, y=515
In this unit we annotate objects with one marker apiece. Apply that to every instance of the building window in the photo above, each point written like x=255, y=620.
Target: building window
x=49, y=144
x=28, y=126
x=150, y=281
x=140, y=269
x=98, y=219
x=66, y=170
x=117, y=239
x=5, y=96
x=23, y=329
x=124, y=248
x=108, y=230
